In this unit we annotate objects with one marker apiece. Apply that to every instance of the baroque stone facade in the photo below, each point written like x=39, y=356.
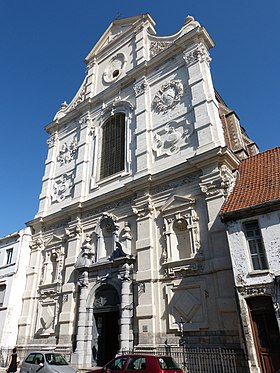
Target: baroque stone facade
x=126, y=240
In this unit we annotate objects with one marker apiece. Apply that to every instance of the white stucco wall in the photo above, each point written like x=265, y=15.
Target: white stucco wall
x=13, y=276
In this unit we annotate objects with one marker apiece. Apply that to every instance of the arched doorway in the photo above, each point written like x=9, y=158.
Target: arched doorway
x=266, y=333
x=105, y=343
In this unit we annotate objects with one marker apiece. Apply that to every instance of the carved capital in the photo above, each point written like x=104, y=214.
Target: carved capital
x=145, y=210
x=140, y=87
x=199, y=53
x=218, y=183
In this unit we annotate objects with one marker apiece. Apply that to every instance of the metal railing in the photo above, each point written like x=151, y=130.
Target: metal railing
x=202, y=359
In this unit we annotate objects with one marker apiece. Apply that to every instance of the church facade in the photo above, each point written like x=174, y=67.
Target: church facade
x=127, y=239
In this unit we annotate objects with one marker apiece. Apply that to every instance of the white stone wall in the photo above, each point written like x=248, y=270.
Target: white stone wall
x=244, y=274
x=175, y=172
x=13, y=276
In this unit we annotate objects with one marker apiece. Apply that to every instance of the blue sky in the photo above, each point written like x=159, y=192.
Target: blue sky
x=43, y=44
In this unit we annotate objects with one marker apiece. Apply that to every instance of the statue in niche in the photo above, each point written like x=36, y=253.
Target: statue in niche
x=87, y=254
x=50, y=268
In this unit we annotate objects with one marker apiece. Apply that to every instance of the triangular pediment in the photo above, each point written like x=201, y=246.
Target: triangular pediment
x=55, y=240
x=177, y=202
x=116, y=29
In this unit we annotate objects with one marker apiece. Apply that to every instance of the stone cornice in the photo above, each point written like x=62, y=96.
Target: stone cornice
x=190, y=166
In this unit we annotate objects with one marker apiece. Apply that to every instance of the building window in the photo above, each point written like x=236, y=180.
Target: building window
x=9, y=256
x=113, y=145
x=2, y=294
x=255, y=242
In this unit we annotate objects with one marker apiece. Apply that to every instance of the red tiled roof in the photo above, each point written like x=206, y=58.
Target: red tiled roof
x=258, y=182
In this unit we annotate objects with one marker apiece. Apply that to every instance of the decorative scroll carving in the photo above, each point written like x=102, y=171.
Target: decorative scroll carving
x=80, y=98
x=158, y=46
x=168, y=96
x=62, y=188
x=67, y=152
x=199, y=53
x=171, y=138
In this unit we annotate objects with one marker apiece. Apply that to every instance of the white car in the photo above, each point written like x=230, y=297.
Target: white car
x=45, y=362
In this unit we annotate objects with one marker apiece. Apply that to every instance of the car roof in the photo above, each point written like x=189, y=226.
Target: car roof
x=144, y=355
x=43, y=352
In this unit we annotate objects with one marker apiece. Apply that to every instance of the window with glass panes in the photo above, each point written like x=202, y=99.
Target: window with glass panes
x=255, y=242
x=9, y=256
x=2, y=294
x=113, y=145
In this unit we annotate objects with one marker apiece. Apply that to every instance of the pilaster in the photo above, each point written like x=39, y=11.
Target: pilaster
x=207, y=121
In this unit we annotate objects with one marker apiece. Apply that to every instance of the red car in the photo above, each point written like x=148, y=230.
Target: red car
x=141, y=363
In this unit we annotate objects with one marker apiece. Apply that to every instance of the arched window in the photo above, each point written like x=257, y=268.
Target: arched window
x=113, y=145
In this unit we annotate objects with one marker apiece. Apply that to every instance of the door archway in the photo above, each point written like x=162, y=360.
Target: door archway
x=105, y=334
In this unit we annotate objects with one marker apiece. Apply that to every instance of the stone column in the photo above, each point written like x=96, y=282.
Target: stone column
x=80, y=353
x=126, y=310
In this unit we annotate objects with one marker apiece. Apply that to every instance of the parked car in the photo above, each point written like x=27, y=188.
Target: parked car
x=142, y=363
x=45, y=362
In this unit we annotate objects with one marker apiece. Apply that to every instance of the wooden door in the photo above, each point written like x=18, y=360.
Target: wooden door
x=266, y=333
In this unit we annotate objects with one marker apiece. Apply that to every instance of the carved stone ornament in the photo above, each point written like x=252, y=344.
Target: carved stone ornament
x=158, y=46
x=140, y=87
x=220, y=182
x=171, y=138
x=52, y=140
x=62, y=188
x=168, y=96
x=87, y=255
x=183, y=271
x=37, y=243
x=100, y=302
x=256, y=290
x=83, y=279
x=75, y=231
x=143, y=210
x=114, y=68
x=81, y=96
x=67, y=152
x=86, y=121
x=199, y=53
